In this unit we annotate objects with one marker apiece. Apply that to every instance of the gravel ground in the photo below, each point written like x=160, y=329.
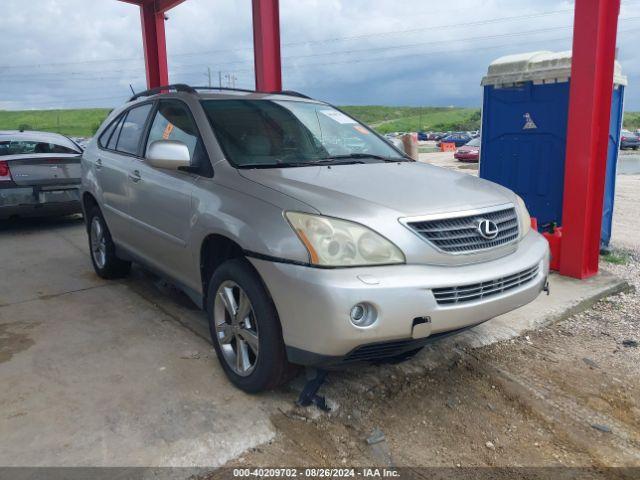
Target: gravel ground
x=565, y=395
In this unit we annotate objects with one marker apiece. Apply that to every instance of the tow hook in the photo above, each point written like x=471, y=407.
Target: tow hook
x=546, y=287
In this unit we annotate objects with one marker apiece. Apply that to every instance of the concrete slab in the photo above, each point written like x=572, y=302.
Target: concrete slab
x=99, y=373
x=40, y=259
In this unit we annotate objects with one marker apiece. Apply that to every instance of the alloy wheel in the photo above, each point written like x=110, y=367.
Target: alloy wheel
x=98, y=243
x=236, y=328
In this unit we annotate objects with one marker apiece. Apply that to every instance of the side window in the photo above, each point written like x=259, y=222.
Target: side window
x=132, y=129
x=174, y=122
x=115, y=134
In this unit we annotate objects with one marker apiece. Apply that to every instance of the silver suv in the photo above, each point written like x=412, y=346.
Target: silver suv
x=306, y=237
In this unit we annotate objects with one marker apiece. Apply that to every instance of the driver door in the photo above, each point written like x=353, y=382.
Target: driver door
x=161, y=199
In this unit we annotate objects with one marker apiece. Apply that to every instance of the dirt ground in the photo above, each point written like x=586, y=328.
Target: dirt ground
x=565, y=395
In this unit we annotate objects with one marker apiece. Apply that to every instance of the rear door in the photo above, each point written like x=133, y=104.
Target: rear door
x=119, y=149
x=161, y=199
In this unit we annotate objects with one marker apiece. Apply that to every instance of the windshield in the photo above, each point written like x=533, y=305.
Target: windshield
x=268, y=133
x=473, y=143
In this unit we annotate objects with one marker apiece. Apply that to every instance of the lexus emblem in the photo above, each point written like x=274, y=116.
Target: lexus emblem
x=487, y=229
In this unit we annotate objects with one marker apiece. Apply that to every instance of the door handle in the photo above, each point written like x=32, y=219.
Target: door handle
x=98, y=164
x=135, y=176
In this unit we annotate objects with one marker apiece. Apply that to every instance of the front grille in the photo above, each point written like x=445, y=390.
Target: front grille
x=460, y=234
x=478, y=291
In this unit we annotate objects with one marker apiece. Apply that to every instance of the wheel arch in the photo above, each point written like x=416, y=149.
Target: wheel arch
x=214, y=251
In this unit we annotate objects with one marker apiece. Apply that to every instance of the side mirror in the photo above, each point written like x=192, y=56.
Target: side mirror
x=168, y=154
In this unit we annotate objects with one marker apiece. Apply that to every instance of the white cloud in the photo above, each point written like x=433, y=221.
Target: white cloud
x=62, y=53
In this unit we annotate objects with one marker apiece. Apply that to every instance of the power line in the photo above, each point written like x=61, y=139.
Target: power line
x=313, y=42
x=355, y=51
x=377, y=58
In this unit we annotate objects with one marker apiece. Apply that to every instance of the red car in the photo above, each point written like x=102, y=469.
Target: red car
x=469, y=152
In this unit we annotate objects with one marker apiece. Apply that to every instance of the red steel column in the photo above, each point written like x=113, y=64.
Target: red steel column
x=594, y=44
x=266, y=45
x=155, y=47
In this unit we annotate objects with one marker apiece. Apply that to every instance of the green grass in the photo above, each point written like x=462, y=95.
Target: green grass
x=616, y=258
x=75, y=123
x=631, y=120
x=411, y=119
x=84, y=122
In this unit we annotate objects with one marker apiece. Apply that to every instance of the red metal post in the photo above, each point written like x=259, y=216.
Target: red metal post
x=266, y=45
x=594, y=44
x=155, y=47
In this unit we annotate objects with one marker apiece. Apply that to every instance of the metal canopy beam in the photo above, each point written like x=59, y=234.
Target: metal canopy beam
x=155, y=47
x=594, y=44
x=153, y=39
x=266, y=45
x=266, y=42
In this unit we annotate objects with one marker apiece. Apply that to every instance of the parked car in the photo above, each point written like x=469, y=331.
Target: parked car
x=629, y=140
x=301, y=250
x=39, y=174
x=459, y=138
x=423, y=136
x=469, y=152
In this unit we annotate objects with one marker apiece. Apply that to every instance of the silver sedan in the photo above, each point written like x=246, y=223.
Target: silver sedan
x=39, y=174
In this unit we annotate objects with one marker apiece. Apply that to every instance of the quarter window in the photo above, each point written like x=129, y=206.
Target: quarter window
x=132, y=128
x=116, y=133
x=106, y=135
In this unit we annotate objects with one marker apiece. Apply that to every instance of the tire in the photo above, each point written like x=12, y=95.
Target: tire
x=102, y=250
x=254, y=325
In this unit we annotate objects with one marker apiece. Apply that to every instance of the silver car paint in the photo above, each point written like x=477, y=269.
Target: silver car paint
x=162, y=218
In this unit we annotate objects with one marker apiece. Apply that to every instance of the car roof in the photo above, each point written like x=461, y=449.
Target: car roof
x=36, y=136
x=213, y=93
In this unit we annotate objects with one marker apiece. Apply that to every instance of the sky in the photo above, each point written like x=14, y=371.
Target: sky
x=79, y=53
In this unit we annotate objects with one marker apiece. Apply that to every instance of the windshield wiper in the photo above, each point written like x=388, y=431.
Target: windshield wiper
x=361, y=155
x=277, y=165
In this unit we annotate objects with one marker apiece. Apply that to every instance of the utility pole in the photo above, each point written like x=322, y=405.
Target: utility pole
x=209, y=75
x=219, y=79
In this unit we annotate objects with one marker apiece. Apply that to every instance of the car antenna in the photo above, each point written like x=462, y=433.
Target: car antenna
x=132, y=90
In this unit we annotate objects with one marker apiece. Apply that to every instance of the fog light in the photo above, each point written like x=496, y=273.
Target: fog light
x=363, y=314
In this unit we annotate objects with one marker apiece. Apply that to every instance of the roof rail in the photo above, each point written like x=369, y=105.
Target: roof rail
x=225, y=89
x=291, y=93
x=278, y=92
x=181, y=87
x=178, y=87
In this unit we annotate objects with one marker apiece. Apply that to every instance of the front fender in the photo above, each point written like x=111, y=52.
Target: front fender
x=253, y=223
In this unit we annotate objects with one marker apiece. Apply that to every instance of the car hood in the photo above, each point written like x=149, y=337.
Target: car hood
x=401, y=189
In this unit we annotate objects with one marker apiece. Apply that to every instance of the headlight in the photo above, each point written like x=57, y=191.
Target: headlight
x=339, y=243
x=524, y=219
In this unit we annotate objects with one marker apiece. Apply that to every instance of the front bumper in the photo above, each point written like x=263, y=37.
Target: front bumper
x=314, y=304
x=31, y=201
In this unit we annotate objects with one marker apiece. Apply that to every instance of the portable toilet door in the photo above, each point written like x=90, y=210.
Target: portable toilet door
x=615, y=130
x=524, y=130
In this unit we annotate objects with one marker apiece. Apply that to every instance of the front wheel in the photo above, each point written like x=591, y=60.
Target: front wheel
x=245, y=329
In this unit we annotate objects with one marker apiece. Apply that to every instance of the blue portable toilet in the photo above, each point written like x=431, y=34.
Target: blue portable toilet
x=524, y=132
